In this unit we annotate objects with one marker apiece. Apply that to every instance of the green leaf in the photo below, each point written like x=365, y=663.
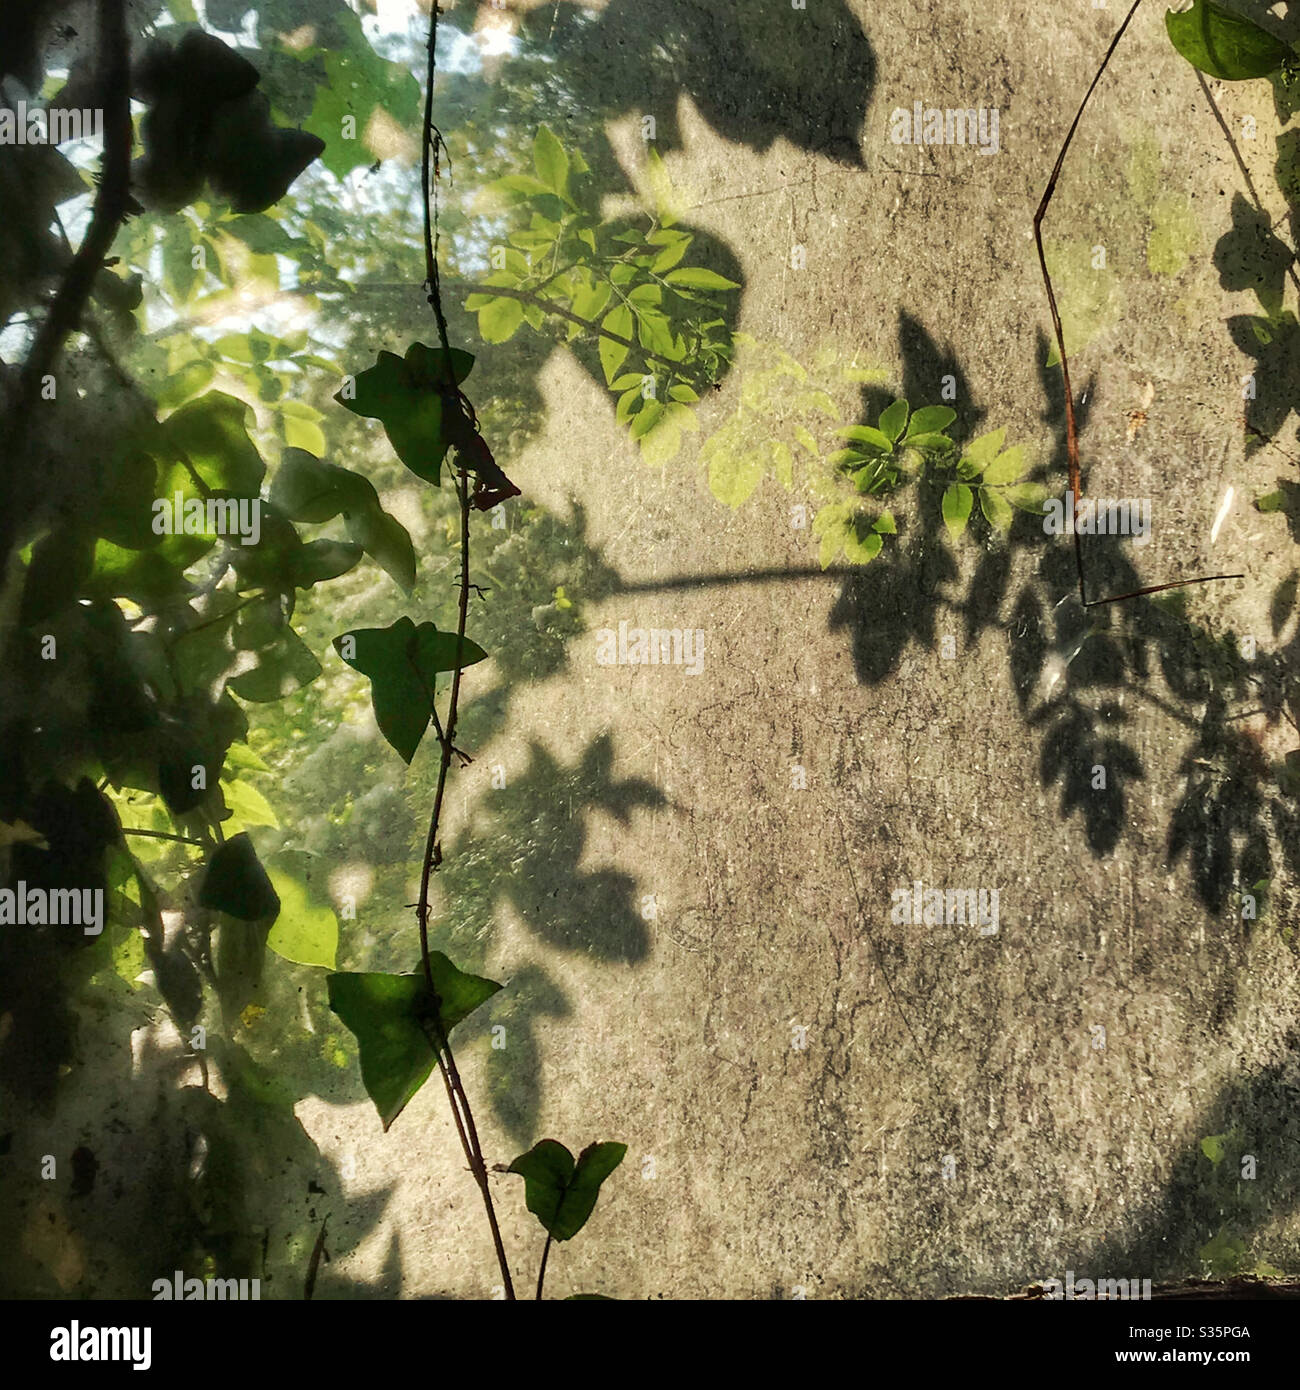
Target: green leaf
x=1214, y=1147
x=408, y=395
x=696, y=277
x=957, y=501
x=646, y=418
x=861, y=550
x=211, y=435
x=391, y=1016
x=612, y=354
x=519, y=186
x=402, y=663
x=868, y=434
x=248, y=805
x=1028, y=497
x=1224, y=43
x=930, y=419
x=304, y=932
x=892, y=420
x=1007, y=467
x=385, y=540
x=982, y=451
x=928, y=443
x=237, y=884
x=306, y=488
x=318, y=561
x=551, y=162
x=499, y=319
x=997, y=510
x=283, y=667
x=885, y=524
x=560, y=1193
x=186, y=382
x=359, y=83
x=300, y=433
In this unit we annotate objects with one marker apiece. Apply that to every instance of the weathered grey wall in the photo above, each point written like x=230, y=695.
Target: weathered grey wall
x=774, y=1167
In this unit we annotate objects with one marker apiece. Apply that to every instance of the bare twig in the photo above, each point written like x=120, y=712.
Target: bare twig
x=313, y=1265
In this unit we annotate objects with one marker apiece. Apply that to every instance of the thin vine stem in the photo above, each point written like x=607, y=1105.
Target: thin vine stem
x=457, y=1097
x=1071, y=426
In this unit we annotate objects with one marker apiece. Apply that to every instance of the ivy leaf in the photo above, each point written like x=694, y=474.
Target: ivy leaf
x=306, y=933
x=318, y=561
x=402, y=663
x=892, y=420
x=560, y=1193
x=957, y=501
x=212, y=436
x=282, y=668
x=250, y=162
x=308, y=489
x=236, y=883
x=391, y=1016
x=1223, y=43
x=408, y=395
x=386, y=541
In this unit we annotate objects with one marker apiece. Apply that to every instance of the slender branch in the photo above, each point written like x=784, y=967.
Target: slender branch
x=317, y=1250
x=550, y=307
x=163, y=835
x=112, y=199
x=457, y=1096
x=547, y=306
x=110, y=206
x=541, y=1273
x=1071, y=426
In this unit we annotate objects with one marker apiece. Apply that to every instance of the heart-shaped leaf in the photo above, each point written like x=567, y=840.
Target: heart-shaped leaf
x=391, y=1015
x=560, y=1193
x=411, y=396
x=1223, y=43
x=402, y=663
x=305, y=932
x=237, y=884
